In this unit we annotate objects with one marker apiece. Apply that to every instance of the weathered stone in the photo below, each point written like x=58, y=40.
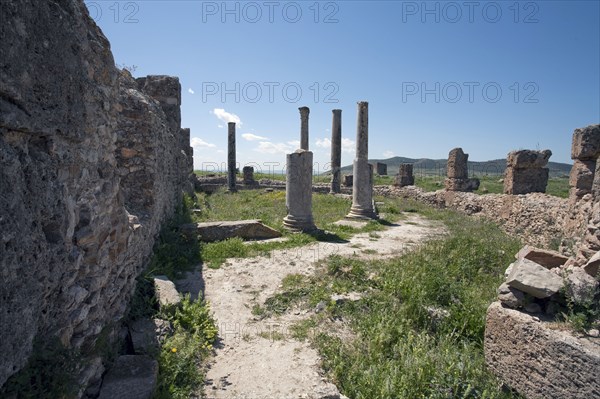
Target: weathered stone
x=593, y=265
x=348, y=180
x=537, y=361
x=464, y=185
x=362, y=186
x=231, y=160
x=405, y=175
x=548, y=259
x=248, y=179
x=131, y=377
x=166, y=293
x=298, y=192
x=534, y=279
x=457, y=167
x=336, y=151
x=304, y=111
x=528, y=159
x=581, y=179
x=580, y=286
x=511, y=297
x=143, y=337
x=219, y=231
x=586, y=143
x=82, y=147
x=381, y=168
x=525, y=181
x=532, y=307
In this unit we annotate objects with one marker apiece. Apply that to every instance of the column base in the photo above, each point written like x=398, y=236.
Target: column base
x=362, y=213
x=299, y=224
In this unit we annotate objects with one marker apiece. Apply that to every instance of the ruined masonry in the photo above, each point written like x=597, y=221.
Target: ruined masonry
x=248, y=176
x=92, y=162
x=298, y=192
x=231, y=163
x=526, y=172
x=381, y=168
x=405, y=176
x=336, y=151
x=585, y=150
x=362, y=185
x=458, y=172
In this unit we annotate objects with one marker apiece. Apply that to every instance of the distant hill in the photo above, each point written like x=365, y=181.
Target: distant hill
x=437, y=167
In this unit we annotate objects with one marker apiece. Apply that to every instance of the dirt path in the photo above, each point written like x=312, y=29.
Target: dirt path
x=249, y=364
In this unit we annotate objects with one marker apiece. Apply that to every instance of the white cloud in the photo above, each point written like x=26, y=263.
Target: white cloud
x=266, y=147
x=190, y=91
x=388, y=154
x=220, y=126
x=226, y=116
x=253, y=137
x=199, y=143
x=294, y=143
x=347, y=144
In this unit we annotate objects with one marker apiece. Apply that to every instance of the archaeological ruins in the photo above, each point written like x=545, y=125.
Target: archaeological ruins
x=94, y=162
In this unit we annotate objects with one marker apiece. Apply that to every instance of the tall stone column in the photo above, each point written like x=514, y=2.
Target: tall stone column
x=304, y=111
x=231, y=164
x=362, y=187
x=336, y=151
x=298, y=192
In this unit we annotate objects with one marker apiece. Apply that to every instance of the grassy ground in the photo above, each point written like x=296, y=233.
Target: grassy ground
x=270, y=208
x=418, y=330
x=557, y=186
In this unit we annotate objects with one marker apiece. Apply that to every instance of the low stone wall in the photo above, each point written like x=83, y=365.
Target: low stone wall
x=538, y=360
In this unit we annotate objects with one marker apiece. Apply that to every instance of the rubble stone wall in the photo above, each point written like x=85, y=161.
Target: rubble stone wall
x=90, y=166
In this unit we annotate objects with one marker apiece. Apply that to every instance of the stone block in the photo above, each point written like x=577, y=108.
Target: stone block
x=534, y=279
x=219, y=231
x=586, y=143
x=548, y=259
x=592, y=266
x=581, y=179
x=457, y=167
x=525, y=181
x=381, y=168
x=131, y=377
x=166, y=293
x=528, y=159
x=348, y=180
x=537, y=361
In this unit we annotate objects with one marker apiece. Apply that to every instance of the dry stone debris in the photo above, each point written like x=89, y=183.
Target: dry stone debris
x=534, y=279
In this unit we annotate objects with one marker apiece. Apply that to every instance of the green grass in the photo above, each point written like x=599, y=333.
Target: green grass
x=400, y=349
x=270, y=208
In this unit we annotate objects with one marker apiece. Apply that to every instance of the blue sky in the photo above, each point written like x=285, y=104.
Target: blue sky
x=489, y=77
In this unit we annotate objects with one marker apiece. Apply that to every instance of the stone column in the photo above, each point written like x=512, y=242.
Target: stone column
x=336, y=151
x=458, y=172
x=298, y=191
x=526, y=172
x=585, y=150
x=405, y=175
x=231, y=164
x=304, y=111
x=362, y=186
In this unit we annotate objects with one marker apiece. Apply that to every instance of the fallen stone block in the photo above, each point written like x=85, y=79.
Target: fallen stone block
x=537, y=361
x=245, y=229
x=131, y=377
x=534, y=279
x=592, y=266
x=146, y=335
x=166, y=293
x=548, y=259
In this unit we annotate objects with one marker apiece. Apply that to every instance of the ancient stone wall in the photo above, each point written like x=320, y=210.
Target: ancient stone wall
x=526, y=172
x=90, y=165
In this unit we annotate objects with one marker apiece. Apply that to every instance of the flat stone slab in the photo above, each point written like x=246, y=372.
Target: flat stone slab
x=546, y=258
x=131, y=377
x=166, y=293
x=245, y=229
x=534, y=279
x=537, y=361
